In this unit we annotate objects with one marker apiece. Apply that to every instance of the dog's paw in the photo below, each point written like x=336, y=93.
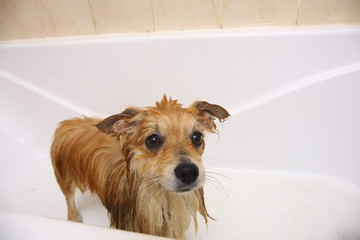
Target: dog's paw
x=75, y=218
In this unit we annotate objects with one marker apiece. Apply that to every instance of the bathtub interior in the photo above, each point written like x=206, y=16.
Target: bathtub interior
x=285, y=165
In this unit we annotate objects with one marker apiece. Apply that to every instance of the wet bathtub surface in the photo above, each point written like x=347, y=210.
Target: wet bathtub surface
x=259, y=205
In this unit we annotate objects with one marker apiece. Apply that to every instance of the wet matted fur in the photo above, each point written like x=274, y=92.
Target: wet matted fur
x=144, y=164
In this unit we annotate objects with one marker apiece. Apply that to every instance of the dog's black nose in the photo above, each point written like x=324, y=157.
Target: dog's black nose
x=187, y=172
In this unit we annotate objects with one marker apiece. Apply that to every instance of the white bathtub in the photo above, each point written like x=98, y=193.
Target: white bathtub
x=288, y=160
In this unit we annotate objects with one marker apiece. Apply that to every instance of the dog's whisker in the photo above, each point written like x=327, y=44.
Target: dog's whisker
x=154, y=181
x=210, y=183
x=149, y=194
x=217, y=174
x=211, y=187
x=209, y=173
x=153, y=191
x=213, y=181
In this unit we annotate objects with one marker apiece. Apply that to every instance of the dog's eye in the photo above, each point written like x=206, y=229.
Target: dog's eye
x=153, y=142
x=197, y=139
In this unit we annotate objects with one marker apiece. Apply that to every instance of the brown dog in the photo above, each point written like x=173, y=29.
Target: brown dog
x=144, y=164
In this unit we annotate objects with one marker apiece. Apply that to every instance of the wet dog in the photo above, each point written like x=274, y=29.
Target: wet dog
x=144, y=164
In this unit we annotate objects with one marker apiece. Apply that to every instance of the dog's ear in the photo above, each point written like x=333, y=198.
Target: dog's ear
x=120, y=123
x=207, y=113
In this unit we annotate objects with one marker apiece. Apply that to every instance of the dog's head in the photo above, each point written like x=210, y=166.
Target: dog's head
x=164, y=144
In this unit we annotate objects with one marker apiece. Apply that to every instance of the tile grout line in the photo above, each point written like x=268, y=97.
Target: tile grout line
x=92, y=17
x=38, y=17
x=153, y=15
x=221, y=14
x=298, y=12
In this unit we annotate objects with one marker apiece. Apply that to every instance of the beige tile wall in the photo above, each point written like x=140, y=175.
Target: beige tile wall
x=25, y=19
x=186, y=14
x=114, y=16
x=19, y=19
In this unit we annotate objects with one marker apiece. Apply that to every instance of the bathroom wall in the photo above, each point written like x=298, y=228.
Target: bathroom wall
x=27, y=19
